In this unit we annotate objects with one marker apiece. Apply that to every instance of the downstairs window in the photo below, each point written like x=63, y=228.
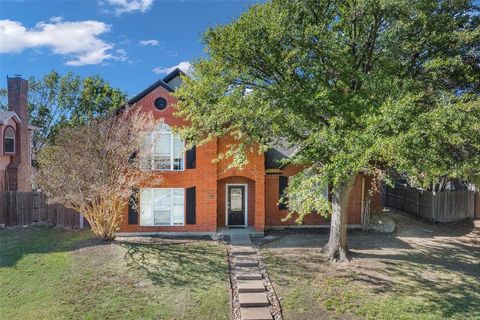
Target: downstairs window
x=162, y=207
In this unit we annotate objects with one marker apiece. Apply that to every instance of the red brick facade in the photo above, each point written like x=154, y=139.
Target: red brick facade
x=274, y=215
x=222, y=196
x=211, y=178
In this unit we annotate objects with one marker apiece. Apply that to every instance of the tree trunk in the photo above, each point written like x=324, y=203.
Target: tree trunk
x=336, y=248
x=104, y=218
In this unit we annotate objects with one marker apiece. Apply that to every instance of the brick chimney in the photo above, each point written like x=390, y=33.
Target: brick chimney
x=19, y=171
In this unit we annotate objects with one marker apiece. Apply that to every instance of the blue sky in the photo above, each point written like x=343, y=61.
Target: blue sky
x=131, y=43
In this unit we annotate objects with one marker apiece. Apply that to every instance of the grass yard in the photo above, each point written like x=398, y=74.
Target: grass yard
x=421, y=272
x=47, y=273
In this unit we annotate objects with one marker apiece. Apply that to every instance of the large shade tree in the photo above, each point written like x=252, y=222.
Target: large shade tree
x=355, y=85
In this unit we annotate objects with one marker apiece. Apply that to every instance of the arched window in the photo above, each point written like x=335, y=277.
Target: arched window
x=166, y=150
x=9, y=141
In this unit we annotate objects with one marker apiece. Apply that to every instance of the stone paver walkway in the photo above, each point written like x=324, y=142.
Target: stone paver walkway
x=252, y=296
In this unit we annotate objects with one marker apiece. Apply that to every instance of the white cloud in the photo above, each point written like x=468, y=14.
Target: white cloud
x=125, y=41
x=121, y=55
x=149, y=42
x=185, y=66
x=77, y=40
x=128, y=6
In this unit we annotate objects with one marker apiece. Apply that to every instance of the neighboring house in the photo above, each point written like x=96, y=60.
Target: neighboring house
x=15, y=135
x=200, y=195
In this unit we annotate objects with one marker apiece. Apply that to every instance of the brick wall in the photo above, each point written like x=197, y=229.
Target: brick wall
x=254, y=170
x=203, y=177
x=274, y=215
x=221, y=198
x=19, y=171
x=374, y=189
x=209, y=178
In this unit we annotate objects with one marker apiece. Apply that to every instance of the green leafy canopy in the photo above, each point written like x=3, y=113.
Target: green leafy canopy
x=356, y=85
x=56, y=101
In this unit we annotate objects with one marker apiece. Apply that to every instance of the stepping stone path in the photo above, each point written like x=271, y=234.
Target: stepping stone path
x=251, y=290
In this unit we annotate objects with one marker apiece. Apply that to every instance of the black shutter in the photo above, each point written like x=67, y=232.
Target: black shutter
x=282, y=185
x=191, y=157
x=133, y=207
x=190, y=205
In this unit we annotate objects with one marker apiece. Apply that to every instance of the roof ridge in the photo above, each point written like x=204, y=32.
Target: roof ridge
x=7, y=115
x=150, y=89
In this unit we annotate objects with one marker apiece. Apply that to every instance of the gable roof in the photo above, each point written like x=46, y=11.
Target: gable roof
x=276, y=153
x=5, y=115
x=154, y=86
x=162, y=82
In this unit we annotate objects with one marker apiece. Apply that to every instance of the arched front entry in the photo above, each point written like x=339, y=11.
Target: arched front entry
x=235, y=202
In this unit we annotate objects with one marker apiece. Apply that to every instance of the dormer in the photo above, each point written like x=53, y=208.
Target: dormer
x=174, y=78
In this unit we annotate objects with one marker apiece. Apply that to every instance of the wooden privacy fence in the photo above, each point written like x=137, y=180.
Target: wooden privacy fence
x=443, y=206
x=28, y=208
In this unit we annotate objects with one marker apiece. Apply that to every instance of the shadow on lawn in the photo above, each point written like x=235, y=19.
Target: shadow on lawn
x=447, y=277
x=19, y=241
x=442, y=280
x=431, y=264
x=454, y=256
x=317, y=239
x=197, y=264
x=440, y=268
x=408, y=225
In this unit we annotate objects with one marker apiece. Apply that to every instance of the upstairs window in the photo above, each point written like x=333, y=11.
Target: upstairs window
x=9, y=141
x=165, y=150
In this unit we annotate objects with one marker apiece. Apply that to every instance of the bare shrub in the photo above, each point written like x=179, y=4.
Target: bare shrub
x=93, y=168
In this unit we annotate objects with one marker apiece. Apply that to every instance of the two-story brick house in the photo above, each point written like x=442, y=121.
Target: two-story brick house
x=199, y=195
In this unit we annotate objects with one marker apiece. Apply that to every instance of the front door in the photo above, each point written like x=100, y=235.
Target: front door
x=236, y=205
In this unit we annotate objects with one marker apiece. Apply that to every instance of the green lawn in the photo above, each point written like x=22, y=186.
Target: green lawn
x=47, y=273
x=423, y=273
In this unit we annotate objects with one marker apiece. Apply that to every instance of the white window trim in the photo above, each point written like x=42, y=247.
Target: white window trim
x=164, y=128
x=171, y=212
x=14, y=141
x=245, y=203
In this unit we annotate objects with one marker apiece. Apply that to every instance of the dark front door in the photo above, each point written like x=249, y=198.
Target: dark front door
x=236, y=205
